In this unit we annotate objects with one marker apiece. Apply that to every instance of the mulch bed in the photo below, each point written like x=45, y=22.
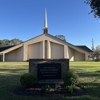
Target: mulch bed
x=36, y=91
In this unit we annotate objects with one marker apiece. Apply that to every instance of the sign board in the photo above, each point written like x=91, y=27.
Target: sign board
x=49, y=71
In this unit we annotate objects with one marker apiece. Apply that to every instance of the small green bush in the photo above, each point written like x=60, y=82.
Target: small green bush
x=74, y=87
x=44, y=88
x=70, y=88
x=70, y=78
x=48, y=87
x=28, y=79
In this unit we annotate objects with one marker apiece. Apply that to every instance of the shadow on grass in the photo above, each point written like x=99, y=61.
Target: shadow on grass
x=89, y=74
x=8, y=82
x=14, y=69
x=91, y=89
x=91, y=83
x=98, y=71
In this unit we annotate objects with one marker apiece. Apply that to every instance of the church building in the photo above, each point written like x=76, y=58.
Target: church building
x=44, y=46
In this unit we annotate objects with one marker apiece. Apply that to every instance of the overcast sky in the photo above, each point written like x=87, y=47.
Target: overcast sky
x=24, y=19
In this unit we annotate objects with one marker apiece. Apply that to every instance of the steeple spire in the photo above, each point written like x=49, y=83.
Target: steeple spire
x=45, y=29
x=45, y=19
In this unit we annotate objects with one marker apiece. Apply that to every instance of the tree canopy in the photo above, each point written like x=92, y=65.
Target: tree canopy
x=95, y=7
x=6, y=42
x=97, y=50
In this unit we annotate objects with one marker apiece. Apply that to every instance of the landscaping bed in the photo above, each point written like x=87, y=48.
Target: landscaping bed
x=52, y=93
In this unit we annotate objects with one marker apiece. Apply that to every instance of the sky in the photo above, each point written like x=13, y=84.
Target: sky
x=24, y=19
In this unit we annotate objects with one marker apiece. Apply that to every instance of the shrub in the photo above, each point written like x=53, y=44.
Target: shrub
x=48, y=87
x=70, y=78
x=97, y=59
x=70, y=88
x=28, y=79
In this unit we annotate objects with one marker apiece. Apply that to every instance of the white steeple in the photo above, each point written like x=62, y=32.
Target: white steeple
x=45, y=19
x=45, y=29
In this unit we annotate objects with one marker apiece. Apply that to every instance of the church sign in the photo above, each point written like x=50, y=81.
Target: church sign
x=49, y=70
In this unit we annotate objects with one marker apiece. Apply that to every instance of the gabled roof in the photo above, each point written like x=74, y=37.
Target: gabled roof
x=5, y=47
x=84, y=48
x=12, y=48
x=80, y=48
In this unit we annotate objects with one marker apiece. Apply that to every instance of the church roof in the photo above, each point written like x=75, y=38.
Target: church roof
x=84, y=48
x=5, y=47
x=81, y=47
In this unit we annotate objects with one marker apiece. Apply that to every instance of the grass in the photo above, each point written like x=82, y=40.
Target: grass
x=89, y=78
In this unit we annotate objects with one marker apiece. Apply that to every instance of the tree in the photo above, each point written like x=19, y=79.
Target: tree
x=97, y=50
x=95, y=7
x=6, y=42
x=15, y=41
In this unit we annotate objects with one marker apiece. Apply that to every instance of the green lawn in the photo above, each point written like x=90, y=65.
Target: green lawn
x=89, y=73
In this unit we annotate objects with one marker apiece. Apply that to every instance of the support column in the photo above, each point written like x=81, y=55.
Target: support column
x=25, y=47
x=48, y=50
x=67, y=48
x=3, y=57
x=86, y=57
x=46, y=47
x=65, y=51
x=43, y=49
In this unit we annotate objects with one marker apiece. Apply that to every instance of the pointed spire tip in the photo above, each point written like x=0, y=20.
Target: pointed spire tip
x=45, y=29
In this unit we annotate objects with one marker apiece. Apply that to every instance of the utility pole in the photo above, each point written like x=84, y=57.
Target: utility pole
x=92, y=49
x=92, y=45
